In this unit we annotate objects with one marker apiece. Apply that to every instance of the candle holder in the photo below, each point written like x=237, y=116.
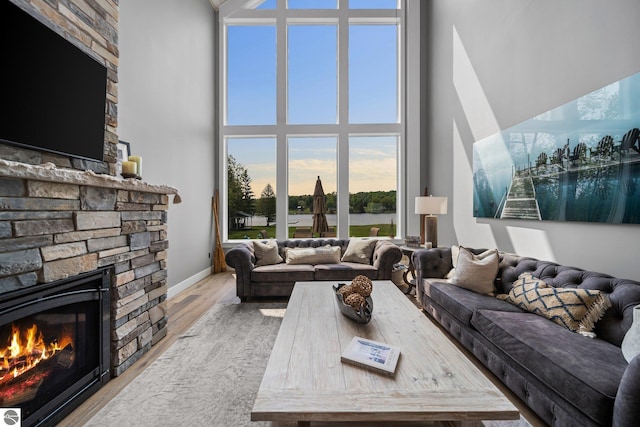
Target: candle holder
x=130, y=169
x=130, y=175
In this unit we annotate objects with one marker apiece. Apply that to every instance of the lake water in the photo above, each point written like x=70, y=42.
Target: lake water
x=306, y=220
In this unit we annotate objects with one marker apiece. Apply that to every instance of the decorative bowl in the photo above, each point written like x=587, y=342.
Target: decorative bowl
x=360, y=316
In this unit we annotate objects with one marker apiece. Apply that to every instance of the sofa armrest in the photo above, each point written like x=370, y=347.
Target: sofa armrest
x=385, y=255
x=626, y=409
x=434, y=262
x=242, y=259
x=429, y=264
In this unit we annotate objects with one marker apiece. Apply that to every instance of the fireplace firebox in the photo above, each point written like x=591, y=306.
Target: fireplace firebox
x=54, y=346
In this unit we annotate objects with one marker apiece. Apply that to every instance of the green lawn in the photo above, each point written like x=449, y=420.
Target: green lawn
x=354, y=231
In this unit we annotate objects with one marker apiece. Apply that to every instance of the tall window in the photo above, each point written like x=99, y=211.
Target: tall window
x=312, y=89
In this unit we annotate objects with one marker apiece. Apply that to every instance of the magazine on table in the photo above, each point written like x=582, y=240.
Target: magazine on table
x=374, y=355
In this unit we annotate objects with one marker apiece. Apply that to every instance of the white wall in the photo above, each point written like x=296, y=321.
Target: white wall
x=494, y=63
x=166, y=111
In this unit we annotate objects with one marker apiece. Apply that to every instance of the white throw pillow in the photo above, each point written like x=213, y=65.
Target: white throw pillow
x=455, y=253
x=323, y=255
x=476, y=273
x=359, y=250
x=266, y=253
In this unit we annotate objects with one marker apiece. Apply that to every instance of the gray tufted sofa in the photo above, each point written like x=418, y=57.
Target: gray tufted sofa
x=278, y=279
x=566, y=378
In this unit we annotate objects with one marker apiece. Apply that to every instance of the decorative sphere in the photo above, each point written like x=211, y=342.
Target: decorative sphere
x=356, y=301
x=362, y=285
x=346, y=291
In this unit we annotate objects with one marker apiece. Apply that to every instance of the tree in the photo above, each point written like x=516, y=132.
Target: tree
x=266, y=205
x=240, y=196
x=234, y=194
x=248, y=200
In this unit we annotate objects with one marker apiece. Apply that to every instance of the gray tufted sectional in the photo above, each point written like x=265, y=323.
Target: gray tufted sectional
x=566, y=378
x=278, y=279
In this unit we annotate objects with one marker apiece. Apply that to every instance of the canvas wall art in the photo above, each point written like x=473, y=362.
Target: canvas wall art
x=577, y=162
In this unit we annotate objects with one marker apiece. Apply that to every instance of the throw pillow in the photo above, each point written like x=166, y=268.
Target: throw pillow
x=455, y=253
x=323, y=255
x=359, y=250
x=576, y=309
x=266, y=253
x=475, y=273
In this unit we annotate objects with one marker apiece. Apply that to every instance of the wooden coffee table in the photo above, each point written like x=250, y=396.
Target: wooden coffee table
x=305, y=381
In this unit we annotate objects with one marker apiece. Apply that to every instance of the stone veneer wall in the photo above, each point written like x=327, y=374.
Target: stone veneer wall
x=57, y=223
x=92, y=26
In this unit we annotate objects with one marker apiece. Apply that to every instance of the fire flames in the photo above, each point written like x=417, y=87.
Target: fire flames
x=25, y=350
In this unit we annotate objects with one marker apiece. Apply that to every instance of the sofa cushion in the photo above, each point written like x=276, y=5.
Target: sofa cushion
x=266, y=252
x=455, y=253
x=359, y=251
x=279, y=273
x=461, y=303
x=575, y=309
x=476, y=272
x=344, y=271
x=585, y=372
x=322, y=255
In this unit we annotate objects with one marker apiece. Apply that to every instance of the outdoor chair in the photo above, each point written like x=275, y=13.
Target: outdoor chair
x=629, y=142
x=330, y=233
x=604, y=148
x=302, y=232
x=579, y=153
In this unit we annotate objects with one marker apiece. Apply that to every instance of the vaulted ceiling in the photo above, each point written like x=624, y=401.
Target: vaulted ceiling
x=216, y=3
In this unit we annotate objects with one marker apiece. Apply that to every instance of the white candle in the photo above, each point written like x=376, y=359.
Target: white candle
x=129, y=167
x=138, y=162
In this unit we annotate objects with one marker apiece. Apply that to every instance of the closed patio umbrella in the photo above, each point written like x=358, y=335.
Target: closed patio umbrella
x=319, y=209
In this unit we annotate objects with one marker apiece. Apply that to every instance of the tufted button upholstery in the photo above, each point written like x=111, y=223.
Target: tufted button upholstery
x=624, y=294
x=556, y=404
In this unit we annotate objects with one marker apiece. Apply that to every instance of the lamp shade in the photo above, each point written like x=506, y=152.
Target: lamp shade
x=429, y=205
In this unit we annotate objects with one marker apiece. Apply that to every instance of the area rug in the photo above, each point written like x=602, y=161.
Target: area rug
x=210, y=376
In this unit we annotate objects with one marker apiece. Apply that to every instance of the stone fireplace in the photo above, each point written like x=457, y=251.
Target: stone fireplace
x=58, y=224
x=63, y=218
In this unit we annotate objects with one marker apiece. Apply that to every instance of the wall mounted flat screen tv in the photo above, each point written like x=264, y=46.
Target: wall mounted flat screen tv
x=52, y=94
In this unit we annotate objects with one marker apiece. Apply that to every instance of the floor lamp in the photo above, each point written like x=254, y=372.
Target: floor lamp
x=430, y=206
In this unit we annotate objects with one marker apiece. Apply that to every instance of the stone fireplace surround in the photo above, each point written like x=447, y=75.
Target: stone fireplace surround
x=57, y=223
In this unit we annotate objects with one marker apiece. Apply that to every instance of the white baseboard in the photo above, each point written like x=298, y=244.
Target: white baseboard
x=179, y=287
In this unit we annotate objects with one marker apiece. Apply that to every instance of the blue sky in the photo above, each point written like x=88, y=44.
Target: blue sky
x=313, y=98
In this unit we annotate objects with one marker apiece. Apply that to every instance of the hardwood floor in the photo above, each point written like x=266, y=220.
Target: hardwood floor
x=184, y=310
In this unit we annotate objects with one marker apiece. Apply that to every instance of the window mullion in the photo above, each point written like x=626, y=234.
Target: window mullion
x=282, y=203
x=343, y=121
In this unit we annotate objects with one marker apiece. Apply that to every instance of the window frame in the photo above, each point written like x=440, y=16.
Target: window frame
x=343, y=18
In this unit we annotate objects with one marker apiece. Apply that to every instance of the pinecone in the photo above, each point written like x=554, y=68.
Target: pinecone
x=356, y=301
x=362, y=285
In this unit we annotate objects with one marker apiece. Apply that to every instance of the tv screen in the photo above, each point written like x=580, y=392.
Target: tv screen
x=52, y=94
